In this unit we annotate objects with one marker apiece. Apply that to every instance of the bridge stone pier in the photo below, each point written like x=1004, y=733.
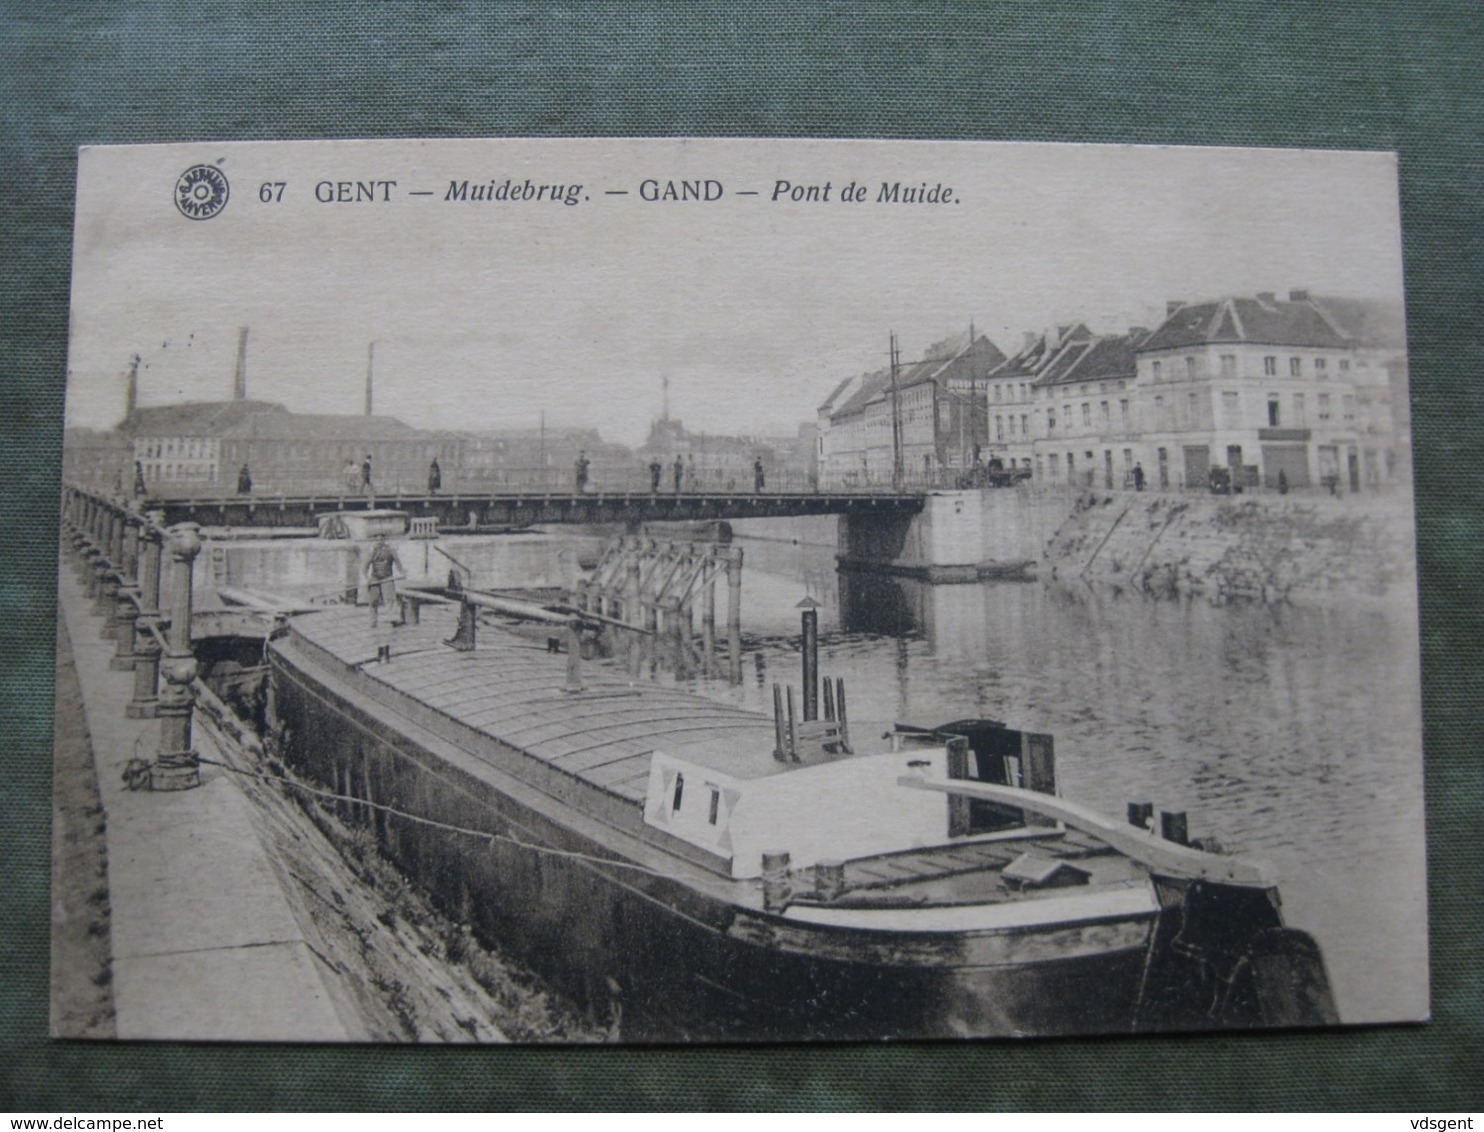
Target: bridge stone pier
x=958, y=536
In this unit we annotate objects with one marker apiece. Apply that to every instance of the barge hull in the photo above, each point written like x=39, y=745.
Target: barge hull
x=650, y=946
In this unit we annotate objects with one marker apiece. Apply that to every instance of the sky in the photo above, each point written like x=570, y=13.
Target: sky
x=492, y=314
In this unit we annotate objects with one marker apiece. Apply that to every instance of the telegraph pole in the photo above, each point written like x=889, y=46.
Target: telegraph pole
x=896, y=416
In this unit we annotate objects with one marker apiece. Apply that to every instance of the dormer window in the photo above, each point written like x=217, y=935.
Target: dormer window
x=679, y=793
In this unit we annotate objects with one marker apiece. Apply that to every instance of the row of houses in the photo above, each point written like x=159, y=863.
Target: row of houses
x=1299, y=391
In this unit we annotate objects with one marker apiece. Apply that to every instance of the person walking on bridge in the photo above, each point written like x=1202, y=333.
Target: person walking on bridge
x=758, y=479
x=366, y=474
x=679, y=473
x=655, y=471
x=244, y=481
x=435, y=477
x=580, y=471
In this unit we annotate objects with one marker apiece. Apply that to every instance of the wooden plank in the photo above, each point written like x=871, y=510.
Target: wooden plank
x=1164, y=858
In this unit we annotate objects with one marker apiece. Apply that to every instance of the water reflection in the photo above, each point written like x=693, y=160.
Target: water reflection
x=1291, y=733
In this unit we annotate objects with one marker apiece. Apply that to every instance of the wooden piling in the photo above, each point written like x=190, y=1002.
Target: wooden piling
x=734, y=615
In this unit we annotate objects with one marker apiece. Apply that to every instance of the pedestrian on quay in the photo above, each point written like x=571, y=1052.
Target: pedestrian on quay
x=679, y=473
x=435, y=477
x=1282, y=482
x=758, y=479
x=655, y=471
x=244, y=481
x=1138, y=477
x=383, y=568
x=366, y=474
x=580, y=471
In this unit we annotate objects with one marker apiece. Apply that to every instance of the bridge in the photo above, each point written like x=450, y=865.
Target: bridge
x=467, y=512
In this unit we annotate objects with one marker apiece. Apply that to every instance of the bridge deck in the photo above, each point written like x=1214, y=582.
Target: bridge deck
x=496, y=509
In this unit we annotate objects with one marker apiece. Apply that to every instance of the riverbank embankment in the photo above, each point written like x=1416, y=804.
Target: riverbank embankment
x=1258, y=547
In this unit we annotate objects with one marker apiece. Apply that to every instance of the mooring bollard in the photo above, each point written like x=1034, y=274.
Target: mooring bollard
x=1173, y=827
x=146, y=647
x=177, y=766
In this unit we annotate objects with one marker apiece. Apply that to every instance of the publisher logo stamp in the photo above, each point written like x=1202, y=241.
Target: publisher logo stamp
x=201, y=192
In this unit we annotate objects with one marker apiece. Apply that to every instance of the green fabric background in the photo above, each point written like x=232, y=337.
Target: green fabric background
x=1374, y=76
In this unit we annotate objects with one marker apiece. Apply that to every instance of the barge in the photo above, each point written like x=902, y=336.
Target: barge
x=681, y=872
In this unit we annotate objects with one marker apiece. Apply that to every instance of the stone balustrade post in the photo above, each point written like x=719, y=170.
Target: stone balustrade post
x=177, y=766
x=146, y=646
x=126, y=612
x=108, y=585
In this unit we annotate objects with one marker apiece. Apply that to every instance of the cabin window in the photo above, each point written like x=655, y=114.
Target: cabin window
x=679, y=793
x=715, y=805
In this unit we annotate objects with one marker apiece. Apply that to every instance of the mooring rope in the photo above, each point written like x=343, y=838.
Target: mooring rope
x=486, y=835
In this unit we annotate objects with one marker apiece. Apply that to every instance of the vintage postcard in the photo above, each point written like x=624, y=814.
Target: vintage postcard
x=735, y=590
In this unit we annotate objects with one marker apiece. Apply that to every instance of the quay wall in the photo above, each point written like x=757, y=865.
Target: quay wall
x=1263, y=547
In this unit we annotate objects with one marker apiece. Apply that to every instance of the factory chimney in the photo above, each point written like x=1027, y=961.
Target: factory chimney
x=239, y=378
x=370, y=364
x=131, y=393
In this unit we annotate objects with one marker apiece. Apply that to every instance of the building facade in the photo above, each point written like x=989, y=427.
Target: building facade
x=1274, y=392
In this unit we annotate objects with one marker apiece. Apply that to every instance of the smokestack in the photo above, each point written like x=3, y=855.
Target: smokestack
x=239, y=378
x=370, y=365
x=131, y=392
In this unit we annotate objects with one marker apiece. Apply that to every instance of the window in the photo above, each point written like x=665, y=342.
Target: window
x=1192, y=408
x=1103, y=409
x=1190, y=368
x=1228, y=365
x=1270, y=366
x=998, y=392
x=1051, y=424
x=1347, y=407
x=1324, y=406
x=1022, y=391
x=1300, y=416
x=715, y=805
x=1295, y=367
x=1086, y=415
x=1230, y=410
x=1012, y=424
x=1157, y=368
x=1055, y=466
x=1344, y=365
x=1123, y=412
x=1272, y=411
x=999, y=428
x=1025, y=428
x=679, y=792
x=1320, y=365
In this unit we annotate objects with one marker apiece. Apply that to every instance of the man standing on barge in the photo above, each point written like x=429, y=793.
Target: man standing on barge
x=383, y=569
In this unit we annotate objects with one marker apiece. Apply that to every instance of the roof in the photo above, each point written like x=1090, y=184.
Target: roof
x=265, y=420
x=1106, y=358
x=1043, y=350
x=1261, y=319
x=196, y=418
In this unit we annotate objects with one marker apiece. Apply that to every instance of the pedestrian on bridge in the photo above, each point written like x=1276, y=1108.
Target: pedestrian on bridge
x=679, y=473
x=366, y=474
x=244, y=481
x=580, y=471
x=435, y=477
x=758, y=479
x=655, y=471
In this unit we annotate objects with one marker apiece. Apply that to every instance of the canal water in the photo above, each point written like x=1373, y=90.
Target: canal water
x=1286, y=732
